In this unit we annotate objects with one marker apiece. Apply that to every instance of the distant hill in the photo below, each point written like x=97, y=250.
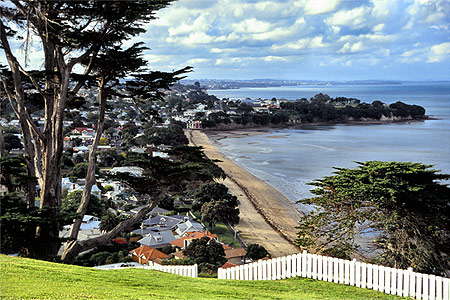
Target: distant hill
x=23, y=278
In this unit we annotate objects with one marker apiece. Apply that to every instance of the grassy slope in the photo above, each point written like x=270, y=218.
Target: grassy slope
x=26, y=278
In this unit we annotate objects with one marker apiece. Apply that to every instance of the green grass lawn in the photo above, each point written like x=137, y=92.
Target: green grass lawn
x=32, y=279
x=225, y=235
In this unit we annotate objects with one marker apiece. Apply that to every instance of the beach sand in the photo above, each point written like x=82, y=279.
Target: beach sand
x=267, y=217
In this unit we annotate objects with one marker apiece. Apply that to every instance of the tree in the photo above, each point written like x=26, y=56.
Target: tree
x=87, y=34
x=109, y=221
x=404, y=205
x=12, y=142
x=255, y=252
x=206, y=253
x=70, y=203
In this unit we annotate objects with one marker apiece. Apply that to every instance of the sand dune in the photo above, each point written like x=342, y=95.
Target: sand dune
x=267, y=217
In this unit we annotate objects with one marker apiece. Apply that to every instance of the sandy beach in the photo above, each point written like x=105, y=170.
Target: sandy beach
x=267, y=217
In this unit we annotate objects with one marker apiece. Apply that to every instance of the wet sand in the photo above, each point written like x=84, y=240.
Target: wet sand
x=267, y=217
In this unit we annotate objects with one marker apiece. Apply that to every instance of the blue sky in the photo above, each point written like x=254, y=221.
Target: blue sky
x=299, y=39
x=305, y=39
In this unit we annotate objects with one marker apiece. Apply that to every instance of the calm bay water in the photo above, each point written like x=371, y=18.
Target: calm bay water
x=290, y=158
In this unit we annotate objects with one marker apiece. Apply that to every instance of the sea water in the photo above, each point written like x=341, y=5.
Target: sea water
x=289, y=159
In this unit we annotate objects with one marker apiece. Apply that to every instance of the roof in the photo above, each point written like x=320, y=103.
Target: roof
x=238, y=252
x=179, y=254
x=192, y=236
x=158, y=239
x=228, y=265
x=189, y=226
x=149, y=253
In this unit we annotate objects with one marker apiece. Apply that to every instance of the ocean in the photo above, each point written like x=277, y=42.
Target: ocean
x=288, y=159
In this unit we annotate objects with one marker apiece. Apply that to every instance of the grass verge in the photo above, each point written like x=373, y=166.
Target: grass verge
x=23, y=278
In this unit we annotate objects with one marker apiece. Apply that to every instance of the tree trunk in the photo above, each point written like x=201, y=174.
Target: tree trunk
x=73, y=248
x=90, y=176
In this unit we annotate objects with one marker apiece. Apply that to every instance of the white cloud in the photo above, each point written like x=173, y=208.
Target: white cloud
x=439, y=52
x=275, y=58
x=351, y=48
x=354, y=18
x=315, y=7
x=251, y=26
x=378, y=27
x=227, y=61
x=194, y=61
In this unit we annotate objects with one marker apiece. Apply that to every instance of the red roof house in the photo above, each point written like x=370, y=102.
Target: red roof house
x=146, y=254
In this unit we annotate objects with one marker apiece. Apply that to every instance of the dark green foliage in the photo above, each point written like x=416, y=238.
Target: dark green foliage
x=80, y=170
x=173, y=135
x=107, y=254
x=18, y=227
x=207, y=253
x=110, y=158
x=255, y=252
x=12, y=142
x=403, y=204
x=70, y=203
x=13, y=173
x=108, y=221
x=215, y=203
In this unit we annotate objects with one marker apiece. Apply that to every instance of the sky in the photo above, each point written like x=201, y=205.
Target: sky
x=304, y=39
x=300, y=39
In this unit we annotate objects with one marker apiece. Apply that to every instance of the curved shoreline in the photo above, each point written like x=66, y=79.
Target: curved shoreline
x=267, y=217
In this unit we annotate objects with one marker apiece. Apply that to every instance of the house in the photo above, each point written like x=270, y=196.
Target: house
x=135, y=171
x=158, y=239
x=145, y=254
x=236, y=256
x=188, y=226
x=83, y=131
x=184, y=241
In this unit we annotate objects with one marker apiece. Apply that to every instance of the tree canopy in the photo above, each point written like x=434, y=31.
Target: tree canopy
x=73, y=35
x=404, y=207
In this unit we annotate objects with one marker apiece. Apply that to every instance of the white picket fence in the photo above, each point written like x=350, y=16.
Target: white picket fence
x=188, y=271
x=384, y=279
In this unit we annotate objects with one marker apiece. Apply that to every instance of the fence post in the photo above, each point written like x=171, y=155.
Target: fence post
x=321, y=263
x=260, y=270
x=294, y=265
x=309, y=265
x=283, y=267
x=406, y=279
x=446, y=287
x=219, y=273
x=255, y=271
x=288, y=266
x=278, y=268
x=329, y=262
x=363, y=275
x=341, y=271
x=438, y=288
x=419, y=292
x=375, y=277
x=394, y=275
x=299, y=264
x=335, y=270
x=304, y=267
x=246, y=272
x=241, y=272
x=274, y=269
x=425, y=285
x=352, y=272
x=381, y=279
x=269, y=269
x=346, y=272
x=314, y=266
x=400, y=275
x=387, y=280
x=250, y=271
x=264, y=270
x=358, y=274
x=232, y=273
x=412, y=284
x=432, y=287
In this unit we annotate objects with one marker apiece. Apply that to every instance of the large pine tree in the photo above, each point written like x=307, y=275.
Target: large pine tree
x=72, y=34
